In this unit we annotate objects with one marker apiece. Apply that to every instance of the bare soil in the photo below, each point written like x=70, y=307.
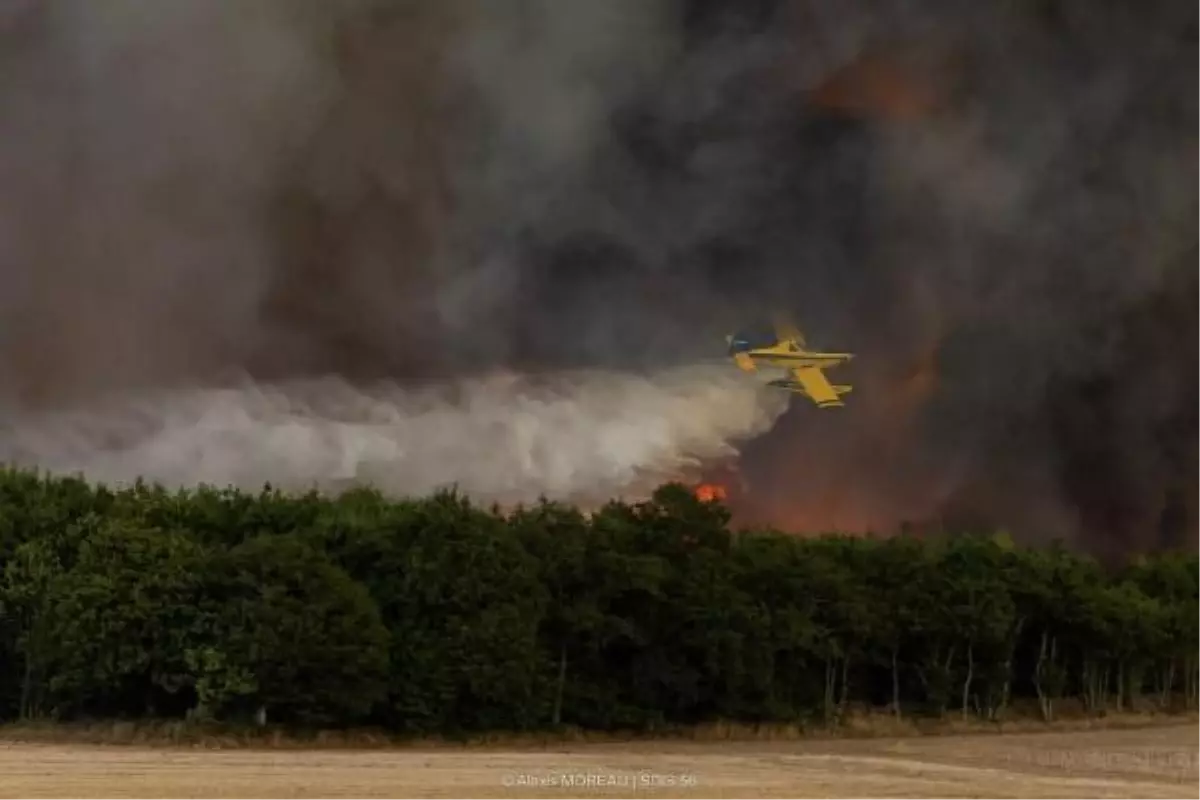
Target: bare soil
x=1147, y=762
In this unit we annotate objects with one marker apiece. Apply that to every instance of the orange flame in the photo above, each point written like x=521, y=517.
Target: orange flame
x=711, y=493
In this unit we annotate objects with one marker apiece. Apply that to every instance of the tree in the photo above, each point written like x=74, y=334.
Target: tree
x=899, y=575
x=31, y=579
x=291, y=634
x=980, y=616
x=462, y=601
x=120, y=620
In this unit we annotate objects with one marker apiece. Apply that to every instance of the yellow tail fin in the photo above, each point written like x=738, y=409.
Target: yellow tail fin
x=787, y=332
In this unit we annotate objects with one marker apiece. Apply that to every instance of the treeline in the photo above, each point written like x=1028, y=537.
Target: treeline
x=434, y=615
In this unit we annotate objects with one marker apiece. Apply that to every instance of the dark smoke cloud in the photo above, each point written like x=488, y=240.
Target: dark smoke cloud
x=1009, y=239
x=993, y=204
x=141, y=142
x=243, y=237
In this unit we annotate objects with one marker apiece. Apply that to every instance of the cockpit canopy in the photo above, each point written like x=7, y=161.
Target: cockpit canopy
x=752, y=337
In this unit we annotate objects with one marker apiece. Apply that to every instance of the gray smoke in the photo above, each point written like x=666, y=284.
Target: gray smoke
x=1014, y=237
x=146, y=148
x=141, y=144
x=584, y=437
x=992, y=204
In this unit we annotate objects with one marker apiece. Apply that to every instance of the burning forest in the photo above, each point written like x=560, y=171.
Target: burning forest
x=498, y=245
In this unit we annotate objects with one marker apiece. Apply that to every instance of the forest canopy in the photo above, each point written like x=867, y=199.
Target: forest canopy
x=435, y=615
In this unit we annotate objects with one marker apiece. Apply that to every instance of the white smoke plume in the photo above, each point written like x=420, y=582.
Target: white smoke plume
x=583, y=437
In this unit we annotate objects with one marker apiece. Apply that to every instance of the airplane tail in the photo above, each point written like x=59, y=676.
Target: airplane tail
x=839, y=389
x=787, y=332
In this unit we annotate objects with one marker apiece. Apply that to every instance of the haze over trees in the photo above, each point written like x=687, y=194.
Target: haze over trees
x=436, y=616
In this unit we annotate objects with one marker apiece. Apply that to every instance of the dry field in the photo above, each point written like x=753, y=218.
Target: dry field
x=1147, y=762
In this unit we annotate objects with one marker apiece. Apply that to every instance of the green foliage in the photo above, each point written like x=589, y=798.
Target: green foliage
x=119, y=621
x=436, y=616
x=290, y=632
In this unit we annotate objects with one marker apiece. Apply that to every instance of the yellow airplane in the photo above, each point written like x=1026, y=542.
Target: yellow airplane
x=787, y=351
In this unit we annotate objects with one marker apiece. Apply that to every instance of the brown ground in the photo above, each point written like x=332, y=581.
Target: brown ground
x=1148, y=762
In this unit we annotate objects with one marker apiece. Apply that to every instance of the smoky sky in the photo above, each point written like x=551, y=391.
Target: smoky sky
x=994, y=205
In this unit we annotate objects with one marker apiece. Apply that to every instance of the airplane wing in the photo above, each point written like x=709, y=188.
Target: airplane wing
x=817, y=386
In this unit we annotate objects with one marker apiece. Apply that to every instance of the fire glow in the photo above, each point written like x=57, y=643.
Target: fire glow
x=711, y=493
